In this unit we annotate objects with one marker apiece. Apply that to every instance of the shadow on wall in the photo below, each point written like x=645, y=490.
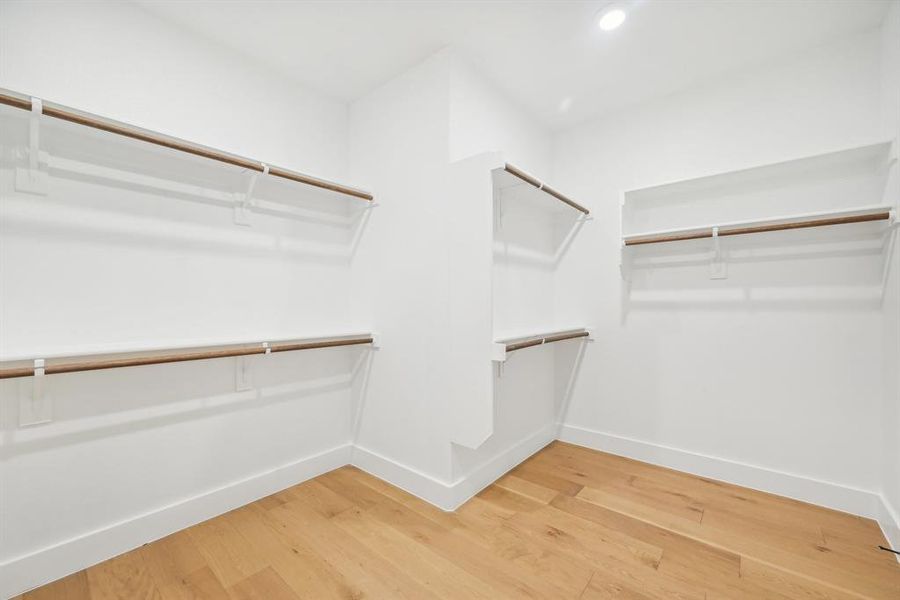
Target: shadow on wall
x=830, y=268
x=97, y=404
x=128, y=192
x=530, y=397
x=520, y=238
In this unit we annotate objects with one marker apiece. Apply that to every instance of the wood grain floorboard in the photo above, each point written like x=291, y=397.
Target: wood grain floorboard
x=569, y=523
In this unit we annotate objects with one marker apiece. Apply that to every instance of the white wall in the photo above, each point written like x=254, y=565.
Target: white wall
x=483, y=119
x=133, y=454
x=398, y=145
x=890, y=94
x=131, y=66
x=711, y=376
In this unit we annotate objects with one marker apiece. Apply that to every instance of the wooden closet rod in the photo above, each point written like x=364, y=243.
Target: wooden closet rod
x=542, y=186
x=88, y=120
x=546, y=340
x=164, y=356
x=737, y=230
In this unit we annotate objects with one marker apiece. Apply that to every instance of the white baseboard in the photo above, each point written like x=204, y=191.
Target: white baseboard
x=493, y=469
x=824, y=493
x=37, y=568
x=889, y=519
x=31, y=570
x=428, y=488
x=25, y=572
x=450, y=495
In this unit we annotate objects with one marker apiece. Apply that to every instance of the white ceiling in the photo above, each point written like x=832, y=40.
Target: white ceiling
x=543, y=54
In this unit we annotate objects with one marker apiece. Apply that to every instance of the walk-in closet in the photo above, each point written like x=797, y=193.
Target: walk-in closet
x=437, y=299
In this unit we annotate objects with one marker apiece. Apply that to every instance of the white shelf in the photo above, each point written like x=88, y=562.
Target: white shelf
x=524, y=189
x=779, y=220
x=88, y=153
x=506, y=344
x=159, y=345
x=849, y=179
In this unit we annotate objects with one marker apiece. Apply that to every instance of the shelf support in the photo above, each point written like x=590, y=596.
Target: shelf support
x=498, y=352
x=32, y=179
x=35, y=408
x=243, y=376
x=717, y=268
x=245, y=202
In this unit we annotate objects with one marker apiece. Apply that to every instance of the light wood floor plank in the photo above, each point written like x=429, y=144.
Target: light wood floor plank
x=367, y=573
x=202, y=584
x=567, y=523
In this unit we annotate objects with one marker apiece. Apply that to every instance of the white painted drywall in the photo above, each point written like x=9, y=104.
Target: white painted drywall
x=117, y=60
x=521, y=297
x=97, y=263
x=398, y=143
x=890, y=95
x=483, y=119
x=404, y=137
x=780, y=365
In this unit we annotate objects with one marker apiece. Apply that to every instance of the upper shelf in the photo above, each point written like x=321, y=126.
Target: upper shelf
x=21, y=366
x=803, y=221
x=65, y=114
x=510, y=177
x=833, y=188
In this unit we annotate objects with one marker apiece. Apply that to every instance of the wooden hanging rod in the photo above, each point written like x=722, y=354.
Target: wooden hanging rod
x=112, y=361
x=549, y=339
x=707, y=232
x=543, y=187
x=73, y=116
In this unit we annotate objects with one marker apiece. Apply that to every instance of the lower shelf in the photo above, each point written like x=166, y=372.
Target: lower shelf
x=503, y=347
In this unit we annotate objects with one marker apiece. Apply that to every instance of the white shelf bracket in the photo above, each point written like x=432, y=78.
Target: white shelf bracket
x=243, y=374
x=624, y=262
x=717, y=268
x=498, y=352
x=245, y=202
x=35, y=408
x=624, y=256
x=33, y=179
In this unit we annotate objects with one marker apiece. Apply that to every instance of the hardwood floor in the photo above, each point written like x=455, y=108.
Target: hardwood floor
x=568, y=523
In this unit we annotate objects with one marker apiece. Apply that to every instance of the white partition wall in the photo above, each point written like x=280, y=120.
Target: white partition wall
x=509, y=234
x=460, y=290
x=471, y=223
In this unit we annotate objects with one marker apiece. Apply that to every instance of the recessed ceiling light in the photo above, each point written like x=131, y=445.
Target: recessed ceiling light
x=610, y=18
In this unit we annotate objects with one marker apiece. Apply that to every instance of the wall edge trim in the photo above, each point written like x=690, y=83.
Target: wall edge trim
x=449, y=496
x=889, y=521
